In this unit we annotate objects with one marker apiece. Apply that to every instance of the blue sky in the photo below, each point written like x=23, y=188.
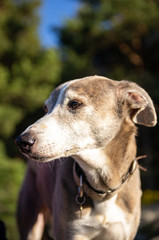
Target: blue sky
x=54, y=13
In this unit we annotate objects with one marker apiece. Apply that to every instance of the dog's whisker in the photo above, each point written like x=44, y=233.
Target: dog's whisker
x=51, y=167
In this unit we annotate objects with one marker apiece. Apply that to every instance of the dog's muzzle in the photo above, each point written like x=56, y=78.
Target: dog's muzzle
x=25, y=142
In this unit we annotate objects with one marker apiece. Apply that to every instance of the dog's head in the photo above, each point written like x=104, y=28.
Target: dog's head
x=85, y=114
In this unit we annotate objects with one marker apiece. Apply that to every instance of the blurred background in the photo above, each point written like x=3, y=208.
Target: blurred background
x=44, y=43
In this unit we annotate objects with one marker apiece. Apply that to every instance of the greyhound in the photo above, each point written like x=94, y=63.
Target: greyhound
x=88, y=186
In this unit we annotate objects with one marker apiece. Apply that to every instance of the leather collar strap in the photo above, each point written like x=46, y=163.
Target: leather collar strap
x=77, y=171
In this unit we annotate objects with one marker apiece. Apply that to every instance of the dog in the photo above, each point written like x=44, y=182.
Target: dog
x=88, y=186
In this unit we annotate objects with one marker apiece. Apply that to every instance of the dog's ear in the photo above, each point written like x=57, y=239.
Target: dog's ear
x=140, y=105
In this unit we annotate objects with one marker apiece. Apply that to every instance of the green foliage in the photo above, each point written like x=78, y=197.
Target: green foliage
x=11, y=175
x=116, y=39
x=150, y=196
x=28, y=74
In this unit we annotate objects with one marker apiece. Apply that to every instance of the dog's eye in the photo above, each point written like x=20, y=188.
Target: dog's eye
x=45, y=109
x=74, y=104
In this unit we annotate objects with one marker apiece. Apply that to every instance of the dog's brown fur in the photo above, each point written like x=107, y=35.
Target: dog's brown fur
x=98, y=134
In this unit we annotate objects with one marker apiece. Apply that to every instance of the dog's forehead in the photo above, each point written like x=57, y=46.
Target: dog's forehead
x=95, y=91
x=94, y=88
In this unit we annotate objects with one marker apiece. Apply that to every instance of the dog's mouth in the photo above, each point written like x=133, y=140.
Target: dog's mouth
x=35, y=157
x=28, y=155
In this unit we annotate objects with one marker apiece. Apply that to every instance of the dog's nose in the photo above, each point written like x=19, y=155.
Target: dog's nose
x=25, y=142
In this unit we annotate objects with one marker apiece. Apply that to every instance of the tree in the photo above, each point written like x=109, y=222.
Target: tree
x=27, y=72
x=113, y=37
x=117, y=39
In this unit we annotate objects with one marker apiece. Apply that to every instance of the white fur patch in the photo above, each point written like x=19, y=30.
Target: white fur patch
x=95, y=158
x=107, y=218
x=61, y=94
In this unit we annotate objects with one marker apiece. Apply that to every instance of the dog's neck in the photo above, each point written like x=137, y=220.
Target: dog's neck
x=78, y=173
x=122, y=149
x=107, y=168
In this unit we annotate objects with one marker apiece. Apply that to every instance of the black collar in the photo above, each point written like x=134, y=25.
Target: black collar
x=124, y=178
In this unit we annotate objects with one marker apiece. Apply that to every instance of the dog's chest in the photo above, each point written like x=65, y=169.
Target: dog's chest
x=106, y=221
